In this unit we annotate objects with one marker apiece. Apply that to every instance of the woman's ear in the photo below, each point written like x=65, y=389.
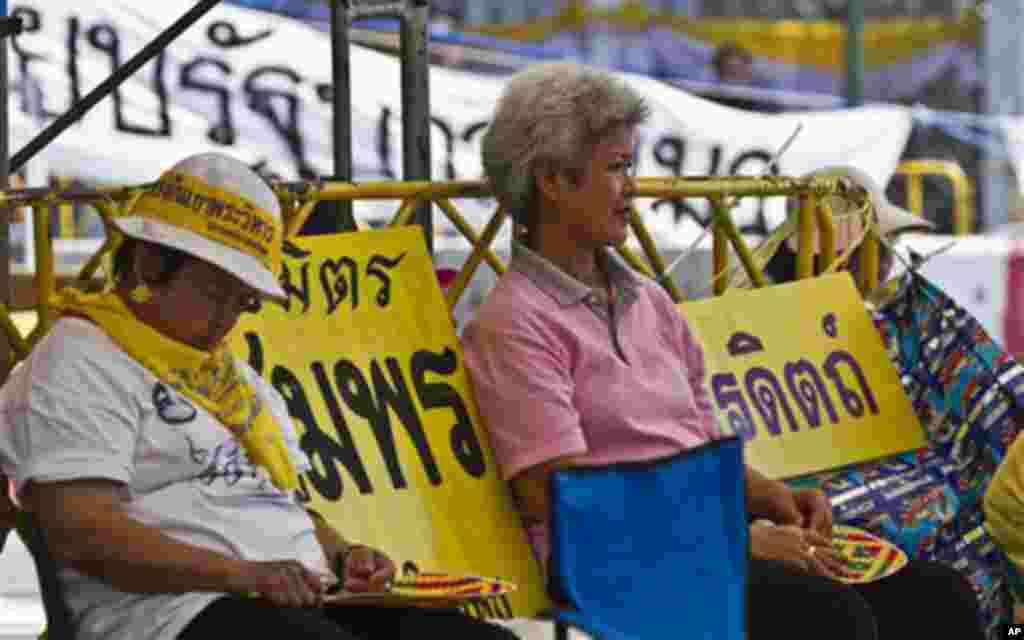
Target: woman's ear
x=550, y=183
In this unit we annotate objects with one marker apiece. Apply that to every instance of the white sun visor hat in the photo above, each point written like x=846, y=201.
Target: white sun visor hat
x=849, y=226
x=217, y=209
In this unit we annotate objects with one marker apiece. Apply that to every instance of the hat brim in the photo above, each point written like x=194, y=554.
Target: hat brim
x=241, y=265
x=892, y=219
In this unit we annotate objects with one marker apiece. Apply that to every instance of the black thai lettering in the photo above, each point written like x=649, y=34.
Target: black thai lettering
x=302, y=291
x=336, y=285
x=769, y=399
x=373, y=404
x=808, y=389
x=223, y=130
x=105, y=38
x=384, y=143
x=323, y=451
x=378, y=267
x=345, y=450
x=74, y=73
x=670, y=154
x=853, y=402
x=715, y=161
x=438, y=395
x=725, y=388
x=226, y=35
x=449, y=146
x=325, y=92
x=473, y=129
x=33, y=100
x=262, y=100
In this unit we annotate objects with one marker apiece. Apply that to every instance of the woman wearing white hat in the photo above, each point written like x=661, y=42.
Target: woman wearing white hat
x=162, y=469
x=850, y=229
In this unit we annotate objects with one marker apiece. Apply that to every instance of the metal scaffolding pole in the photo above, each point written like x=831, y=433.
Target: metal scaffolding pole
x=415, y=71
x=416, y=104
x=855, y=53
x=5, y=170
x=332, y=217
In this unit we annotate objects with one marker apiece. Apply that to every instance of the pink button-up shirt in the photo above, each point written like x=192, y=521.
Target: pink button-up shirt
x=556, y=372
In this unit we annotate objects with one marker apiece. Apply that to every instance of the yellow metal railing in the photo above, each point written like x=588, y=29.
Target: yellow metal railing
x=915, y=171
x=299, y=199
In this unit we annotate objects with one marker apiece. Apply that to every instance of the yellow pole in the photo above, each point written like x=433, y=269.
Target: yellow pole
x=826, y=234
x=405, y=212
x=469, y=233
x=46, y=280
x=653, y=257
x=805, y=237
x=719, y=258
x=466, y=273
x=868, y=276
x=723, y=220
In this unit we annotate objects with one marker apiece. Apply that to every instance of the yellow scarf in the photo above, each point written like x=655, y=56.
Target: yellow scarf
x=209, y=378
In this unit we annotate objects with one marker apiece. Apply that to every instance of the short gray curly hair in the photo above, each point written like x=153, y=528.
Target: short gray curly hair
x=550, y=116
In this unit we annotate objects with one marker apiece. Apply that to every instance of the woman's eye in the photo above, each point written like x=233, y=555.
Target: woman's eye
x=625, y=168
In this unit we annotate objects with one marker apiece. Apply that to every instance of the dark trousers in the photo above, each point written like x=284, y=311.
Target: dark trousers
x=262, y=619
x=923, y=600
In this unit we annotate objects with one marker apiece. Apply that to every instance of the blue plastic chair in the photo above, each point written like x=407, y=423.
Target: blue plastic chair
x=653, y=550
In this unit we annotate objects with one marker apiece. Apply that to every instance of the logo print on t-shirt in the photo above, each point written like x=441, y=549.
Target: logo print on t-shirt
x=171, y=407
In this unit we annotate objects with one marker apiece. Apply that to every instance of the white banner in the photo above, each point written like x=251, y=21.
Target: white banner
x=258, y=86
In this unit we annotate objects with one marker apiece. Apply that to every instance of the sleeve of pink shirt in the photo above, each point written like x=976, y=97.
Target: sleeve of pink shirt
x=692, y=352
x=524, y=391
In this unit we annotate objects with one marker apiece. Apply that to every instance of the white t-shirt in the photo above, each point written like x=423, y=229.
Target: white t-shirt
x=80, y=407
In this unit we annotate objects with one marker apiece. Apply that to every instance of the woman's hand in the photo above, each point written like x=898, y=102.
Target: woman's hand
x=367, y=570
x=815, y=509
x=286, y=583
x=801, y=549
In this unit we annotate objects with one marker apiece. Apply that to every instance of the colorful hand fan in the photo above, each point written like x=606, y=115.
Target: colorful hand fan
x=427, y=590
x=865, y=556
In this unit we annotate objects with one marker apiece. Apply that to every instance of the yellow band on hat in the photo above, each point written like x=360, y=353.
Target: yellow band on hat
x=216, y=214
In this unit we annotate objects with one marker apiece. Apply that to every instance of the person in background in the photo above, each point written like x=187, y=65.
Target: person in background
x=849, y=229
x=733, y=64
x=162, y=469
x=577, y=360
x=1004, y=519
x=733, y=67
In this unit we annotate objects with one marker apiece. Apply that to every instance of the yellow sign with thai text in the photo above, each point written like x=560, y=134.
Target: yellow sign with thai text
x=366, y=355
x=800, y=371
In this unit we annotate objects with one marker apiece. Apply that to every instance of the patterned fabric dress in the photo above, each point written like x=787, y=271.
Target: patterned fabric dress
x=967, y=391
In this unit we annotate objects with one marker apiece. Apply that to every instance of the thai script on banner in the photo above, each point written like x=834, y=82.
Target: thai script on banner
x=809, y=387
x=365, y=354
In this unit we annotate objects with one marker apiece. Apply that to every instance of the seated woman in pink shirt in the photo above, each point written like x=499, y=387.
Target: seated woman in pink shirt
x=577, y=360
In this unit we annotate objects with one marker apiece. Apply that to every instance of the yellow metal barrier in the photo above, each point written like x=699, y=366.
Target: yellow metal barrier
x=914, y=171
x=299, y=199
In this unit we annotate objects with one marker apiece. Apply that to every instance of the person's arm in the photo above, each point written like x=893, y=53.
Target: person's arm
x=1003, y=505
x=770, y=499
x=8, y=511
x=766, y=498
x=88, y=529
x=531, y=487
x=525, y=393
